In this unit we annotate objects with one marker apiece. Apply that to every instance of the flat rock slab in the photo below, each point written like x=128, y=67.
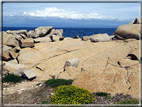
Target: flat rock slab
x=30, y=73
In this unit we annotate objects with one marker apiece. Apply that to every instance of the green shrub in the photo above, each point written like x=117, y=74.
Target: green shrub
x=45, y=102
x=102, y=94
x=57, y=82
x=71, y=95
x=12, y=78
x=128, y=101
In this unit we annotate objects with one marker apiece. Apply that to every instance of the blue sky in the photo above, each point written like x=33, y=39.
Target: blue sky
x=69, y=14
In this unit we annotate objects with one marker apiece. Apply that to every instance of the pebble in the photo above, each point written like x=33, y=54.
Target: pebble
x=36, y=87
x=40, y=85
x=22, y=89
x=52, y=93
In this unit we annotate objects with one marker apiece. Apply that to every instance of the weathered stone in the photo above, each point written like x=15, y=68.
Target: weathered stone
x=14, y=61
x=43, y=39
x=23, y=36
x=54, y=38
x=8, y=53
x=72, y=62
x=5, y=55
x=128, y=31
x=58, y=32
x=32, y=34
x=100, y=38
x=85, y=38
x=61, y=38
x=11, y=41
x=42, y=31
x=16, y=69
x=30, y=73
x=25, y=43
x=17, y=32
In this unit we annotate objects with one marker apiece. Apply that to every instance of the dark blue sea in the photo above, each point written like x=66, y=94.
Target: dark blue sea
x=71, y=32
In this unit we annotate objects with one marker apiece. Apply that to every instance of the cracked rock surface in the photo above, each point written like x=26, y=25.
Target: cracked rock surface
x=103, y=66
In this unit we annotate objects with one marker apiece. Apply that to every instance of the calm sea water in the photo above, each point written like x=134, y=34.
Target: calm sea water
x=71, y=32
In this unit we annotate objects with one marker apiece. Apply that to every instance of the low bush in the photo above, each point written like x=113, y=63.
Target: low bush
x=102, y=94
x=70, y=94
x=128, y=101
x=12, y=78
x=57, y=82
x=46, y=102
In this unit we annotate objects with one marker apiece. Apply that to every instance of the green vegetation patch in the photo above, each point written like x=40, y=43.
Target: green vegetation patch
x=70, y=94
x=128, y=101
x=12, y=78
x=57, y=82
x=102, y=94
x=46, y=102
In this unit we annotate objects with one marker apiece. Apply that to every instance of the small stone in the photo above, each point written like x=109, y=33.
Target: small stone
x=40, y=85
x=52, y=93
x=22, y=89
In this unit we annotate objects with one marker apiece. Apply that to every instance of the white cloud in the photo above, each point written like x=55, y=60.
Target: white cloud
x=55, y=12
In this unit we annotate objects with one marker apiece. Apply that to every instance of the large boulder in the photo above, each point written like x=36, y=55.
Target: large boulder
x=25, y=43
x=16, y=69
x=43, y=31
x=131, y=30
x=5, y=54
x=100, y=38
x=32, y=34
x=58, y=32
x=10, y=40
x=8, y=53
x=17, y=32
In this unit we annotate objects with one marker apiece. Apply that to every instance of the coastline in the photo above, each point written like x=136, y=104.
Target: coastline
x=106, y=63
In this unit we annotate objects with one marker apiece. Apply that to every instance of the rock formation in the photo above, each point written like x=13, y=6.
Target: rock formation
x=108, y=66
x=131, y=30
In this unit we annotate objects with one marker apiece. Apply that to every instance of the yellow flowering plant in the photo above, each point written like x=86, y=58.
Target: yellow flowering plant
x=69, y=94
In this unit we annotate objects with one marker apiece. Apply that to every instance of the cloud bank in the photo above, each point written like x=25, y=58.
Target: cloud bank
x=61, y=13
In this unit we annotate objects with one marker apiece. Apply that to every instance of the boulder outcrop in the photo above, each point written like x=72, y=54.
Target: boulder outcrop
x=10, y=68
x=43, y=31
x=131, y=30
x=103, y=66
